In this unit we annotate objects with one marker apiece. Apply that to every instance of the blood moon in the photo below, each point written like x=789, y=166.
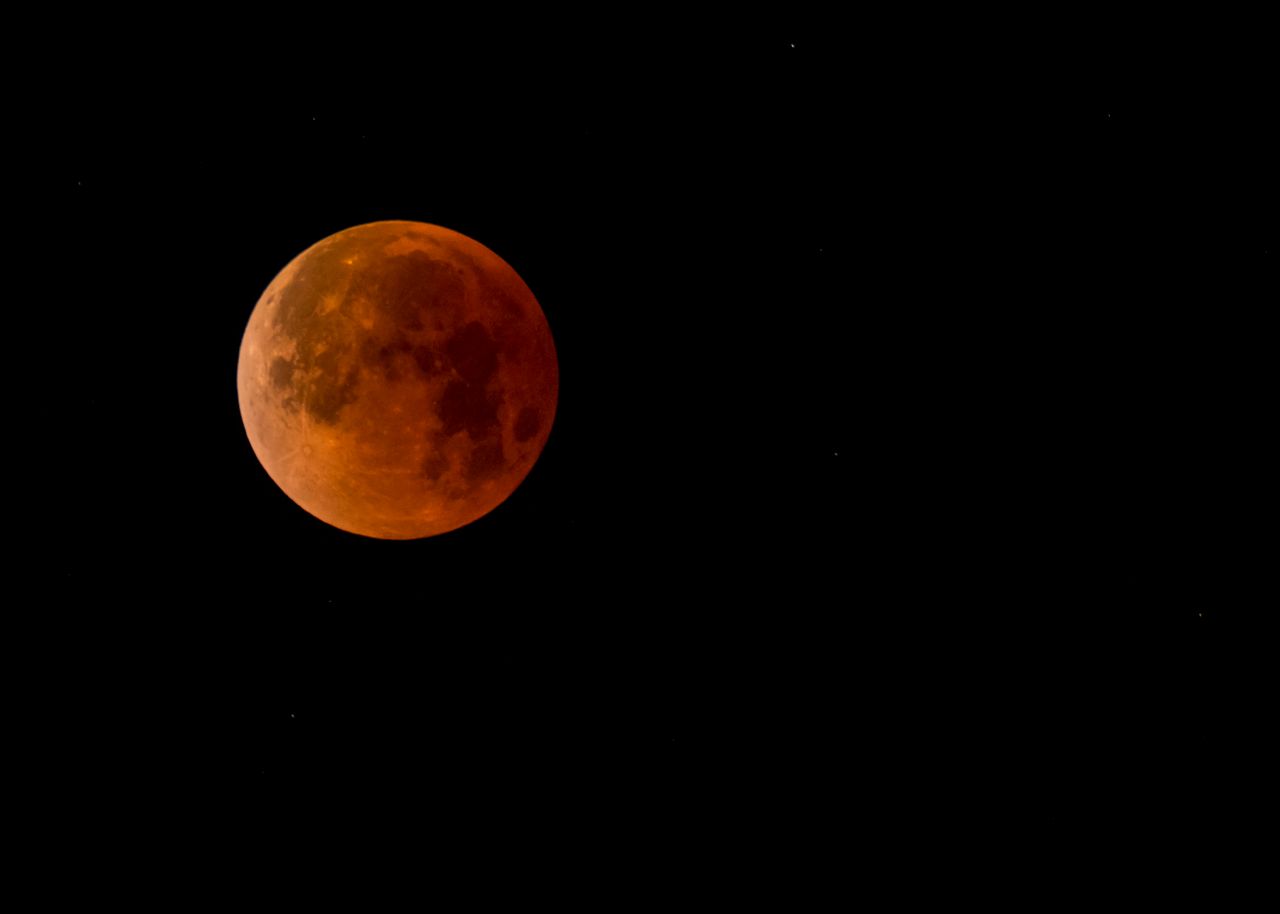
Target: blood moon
x=397, y=380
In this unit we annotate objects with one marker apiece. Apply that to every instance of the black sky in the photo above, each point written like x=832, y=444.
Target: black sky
x=903, y=461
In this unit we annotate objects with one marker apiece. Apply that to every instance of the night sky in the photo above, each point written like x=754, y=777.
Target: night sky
x=901, y=472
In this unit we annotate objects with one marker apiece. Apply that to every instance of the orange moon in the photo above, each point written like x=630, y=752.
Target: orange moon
x=397, y=380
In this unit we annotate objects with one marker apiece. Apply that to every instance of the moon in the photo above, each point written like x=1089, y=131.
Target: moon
x=397, y=380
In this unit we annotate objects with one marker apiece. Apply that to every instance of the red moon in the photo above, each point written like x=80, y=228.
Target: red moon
x=397, y=380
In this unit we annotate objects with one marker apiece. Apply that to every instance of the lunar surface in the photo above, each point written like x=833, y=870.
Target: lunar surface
x=397, y=380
